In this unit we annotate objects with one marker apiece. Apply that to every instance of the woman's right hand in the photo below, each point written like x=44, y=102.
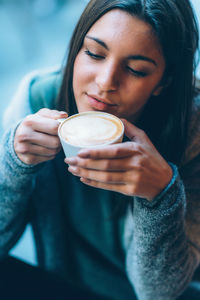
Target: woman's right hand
x=36, y=139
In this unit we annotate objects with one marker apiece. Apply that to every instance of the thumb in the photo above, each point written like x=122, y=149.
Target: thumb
x=132, y=132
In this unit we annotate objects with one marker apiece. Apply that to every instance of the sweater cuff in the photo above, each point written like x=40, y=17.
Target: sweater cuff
x=167, y=190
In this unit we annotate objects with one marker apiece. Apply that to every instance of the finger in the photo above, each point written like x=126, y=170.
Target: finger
x=121, y=150
x=132, y=132
x=31, y=149
x=106, y=177
x=52, y=114
x=122, y=164
x=42, y=124
x=31, y=159
x=38, y=138
x=121, y=188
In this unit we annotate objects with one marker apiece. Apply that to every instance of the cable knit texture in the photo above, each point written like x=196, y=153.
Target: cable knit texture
x=121, y=247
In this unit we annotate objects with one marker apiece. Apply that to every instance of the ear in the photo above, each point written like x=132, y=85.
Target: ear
x=162, y=85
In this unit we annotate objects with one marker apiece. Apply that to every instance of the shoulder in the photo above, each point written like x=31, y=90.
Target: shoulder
x=44, y=88
x=36, y=90
x=193, y=148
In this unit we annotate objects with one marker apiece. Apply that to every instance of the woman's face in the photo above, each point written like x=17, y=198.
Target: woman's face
x=119, y=66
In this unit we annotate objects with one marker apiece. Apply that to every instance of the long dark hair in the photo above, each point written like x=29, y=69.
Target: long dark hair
x=166, y=117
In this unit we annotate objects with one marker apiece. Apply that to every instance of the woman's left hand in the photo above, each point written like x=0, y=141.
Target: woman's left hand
x=132, y=168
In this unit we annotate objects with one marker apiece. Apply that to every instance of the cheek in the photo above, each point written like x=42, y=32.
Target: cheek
x=137, y=94
x=82, y=71
x=138, y=91
x=145, y=87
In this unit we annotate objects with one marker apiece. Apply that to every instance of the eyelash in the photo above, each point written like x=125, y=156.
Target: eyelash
x=95, y=56
x=136, y=73
x=99, y=57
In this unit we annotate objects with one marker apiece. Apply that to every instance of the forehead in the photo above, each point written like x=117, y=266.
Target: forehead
x=119, y=28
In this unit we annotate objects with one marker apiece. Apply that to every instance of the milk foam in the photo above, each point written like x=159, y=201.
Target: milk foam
x=90, y=130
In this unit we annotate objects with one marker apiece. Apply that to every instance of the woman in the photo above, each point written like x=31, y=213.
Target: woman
x=127, y=224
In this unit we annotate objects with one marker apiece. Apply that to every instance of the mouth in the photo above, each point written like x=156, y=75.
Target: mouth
x=99, y=103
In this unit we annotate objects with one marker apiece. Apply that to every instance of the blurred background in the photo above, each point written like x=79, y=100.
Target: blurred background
x=34, y=34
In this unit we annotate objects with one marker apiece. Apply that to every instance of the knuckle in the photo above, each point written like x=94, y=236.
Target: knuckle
x=138, y=148
x=28, y=121
x=56, y=112
x=43, y=111
x=132, y=146
x=22, y=137
x=22, y=148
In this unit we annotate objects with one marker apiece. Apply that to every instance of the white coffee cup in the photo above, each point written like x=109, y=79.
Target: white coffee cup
x=89, y=130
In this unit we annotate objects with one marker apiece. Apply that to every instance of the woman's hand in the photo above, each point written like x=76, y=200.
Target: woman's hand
x=36, y=138
x=133, y=168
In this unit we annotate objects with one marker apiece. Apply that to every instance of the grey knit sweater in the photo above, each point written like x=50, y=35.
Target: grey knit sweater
x=117, y=246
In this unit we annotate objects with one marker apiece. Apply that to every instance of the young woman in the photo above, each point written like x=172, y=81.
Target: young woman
x=127, y=225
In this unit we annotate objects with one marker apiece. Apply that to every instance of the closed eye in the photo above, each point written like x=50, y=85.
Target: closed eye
x=93, y=55
x=99, y=57
x=136, y=73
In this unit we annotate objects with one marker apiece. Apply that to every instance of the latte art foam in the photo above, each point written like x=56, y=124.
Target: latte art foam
x=90, y=130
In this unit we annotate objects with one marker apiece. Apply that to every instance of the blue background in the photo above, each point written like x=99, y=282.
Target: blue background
x=34, y=34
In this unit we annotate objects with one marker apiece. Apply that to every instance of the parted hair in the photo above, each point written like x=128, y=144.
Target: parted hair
x=166, y=117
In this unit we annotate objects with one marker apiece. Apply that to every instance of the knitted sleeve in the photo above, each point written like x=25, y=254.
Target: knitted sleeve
x=162, y=237
x=16, y=178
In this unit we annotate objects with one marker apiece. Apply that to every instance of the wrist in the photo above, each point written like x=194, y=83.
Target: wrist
x=163, y=181
x=170, y=195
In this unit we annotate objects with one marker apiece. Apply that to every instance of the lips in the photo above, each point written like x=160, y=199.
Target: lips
x=99, y=99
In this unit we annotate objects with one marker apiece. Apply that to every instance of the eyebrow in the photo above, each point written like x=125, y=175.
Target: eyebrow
x=133, y=57
x=141, y=57
x=100, y=42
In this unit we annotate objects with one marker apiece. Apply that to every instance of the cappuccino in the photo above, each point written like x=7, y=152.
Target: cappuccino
x=90, y=129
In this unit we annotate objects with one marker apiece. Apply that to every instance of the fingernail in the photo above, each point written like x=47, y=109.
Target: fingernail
x=72, y=169
x=84, y=180
x=70, y=160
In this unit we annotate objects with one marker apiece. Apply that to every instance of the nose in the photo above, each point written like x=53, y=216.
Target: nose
x=107, y=77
